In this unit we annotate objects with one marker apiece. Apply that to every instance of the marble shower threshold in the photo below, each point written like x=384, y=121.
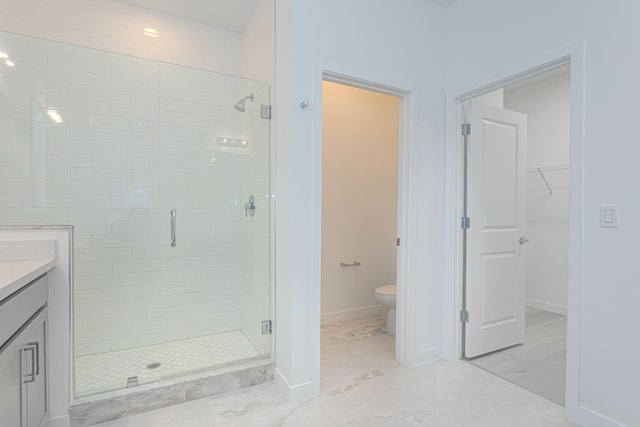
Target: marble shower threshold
x=115, y=405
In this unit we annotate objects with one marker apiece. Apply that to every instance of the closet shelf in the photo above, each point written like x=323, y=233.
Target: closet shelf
x=549, y=168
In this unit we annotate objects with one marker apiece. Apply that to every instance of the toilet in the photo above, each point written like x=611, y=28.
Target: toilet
x=386, y=295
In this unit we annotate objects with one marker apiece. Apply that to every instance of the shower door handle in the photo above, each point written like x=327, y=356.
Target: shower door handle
x=173, y=228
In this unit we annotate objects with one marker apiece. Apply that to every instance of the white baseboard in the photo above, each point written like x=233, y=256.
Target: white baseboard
x=59, y=422
x=586, y=416
x=338, y=316
x=292, y=393
x=546, y=306
x=426, y=356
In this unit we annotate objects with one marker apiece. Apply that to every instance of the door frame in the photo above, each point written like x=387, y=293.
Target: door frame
x=403, y=344
x=452, y=333
x=331, y=78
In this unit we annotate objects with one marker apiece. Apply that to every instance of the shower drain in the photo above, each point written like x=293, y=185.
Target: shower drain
x=154, y=365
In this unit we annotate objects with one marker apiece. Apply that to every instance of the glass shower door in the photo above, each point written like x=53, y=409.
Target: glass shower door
x=214, y=162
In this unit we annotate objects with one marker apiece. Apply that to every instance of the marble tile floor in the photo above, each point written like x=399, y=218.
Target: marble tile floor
x=97, y=373
x=362, y=385
x=538, y=365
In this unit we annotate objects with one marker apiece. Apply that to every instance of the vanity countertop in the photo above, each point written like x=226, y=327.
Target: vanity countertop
x=23, y=261
x=15, y=274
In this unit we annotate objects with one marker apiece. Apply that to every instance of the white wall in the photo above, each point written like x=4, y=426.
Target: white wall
x=399, y=44
x=257, y=59
x=359, y=198
x=547, y=106
x=603, y=291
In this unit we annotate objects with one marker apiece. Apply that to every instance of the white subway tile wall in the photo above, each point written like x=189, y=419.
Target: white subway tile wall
x=112, y=26
x=110, y=143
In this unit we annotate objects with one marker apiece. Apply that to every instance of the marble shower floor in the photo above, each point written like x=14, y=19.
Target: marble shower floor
x=539, y=365
x=97, y=373
x=362, y=385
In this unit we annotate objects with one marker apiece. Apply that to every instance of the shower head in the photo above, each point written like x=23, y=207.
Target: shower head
x=240, y=104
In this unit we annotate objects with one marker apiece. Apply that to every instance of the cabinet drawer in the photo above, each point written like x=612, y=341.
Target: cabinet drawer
x=16, y=309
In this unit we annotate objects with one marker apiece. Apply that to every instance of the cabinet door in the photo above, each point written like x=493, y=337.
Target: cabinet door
x=35, y=382
x=10, y=384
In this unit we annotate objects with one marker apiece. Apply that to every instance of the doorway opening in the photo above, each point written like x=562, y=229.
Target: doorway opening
x=515, y=225
x=361, y=130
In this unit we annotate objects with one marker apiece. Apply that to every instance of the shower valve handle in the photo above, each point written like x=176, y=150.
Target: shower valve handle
x=250, y=206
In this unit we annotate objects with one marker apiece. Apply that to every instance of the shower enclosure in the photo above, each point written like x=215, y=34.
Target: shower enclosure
x=167, y=186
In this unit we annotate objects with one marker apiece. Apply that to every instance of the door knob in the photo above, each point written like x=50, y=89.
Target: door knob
x=522, y=240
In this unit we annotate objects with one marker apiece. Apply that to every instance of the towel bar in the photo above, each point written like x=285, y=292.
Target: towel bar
x=354, y=264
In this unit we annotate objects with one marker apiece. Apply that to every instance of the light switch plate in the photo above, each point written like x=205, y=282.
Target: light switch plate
x=609, y=216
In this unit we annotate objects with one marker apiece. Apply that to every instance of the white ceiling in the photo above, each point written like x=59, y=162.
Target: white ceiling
x=444, y=3
x=230, y=15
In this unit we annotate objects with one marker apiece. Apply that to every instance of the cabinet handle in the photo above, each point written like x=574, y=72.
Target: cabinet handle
x=30, y=378
x=36, y=345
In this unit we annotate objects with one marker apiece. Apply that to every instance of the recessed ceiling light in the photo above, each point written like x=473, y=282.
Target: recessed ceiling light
x=152, y=32
x=9, y=63
x=3, y=55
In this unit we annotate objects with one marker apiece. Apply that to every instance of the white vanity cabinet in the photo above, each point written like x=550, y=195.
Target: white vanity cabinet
x=23, y=356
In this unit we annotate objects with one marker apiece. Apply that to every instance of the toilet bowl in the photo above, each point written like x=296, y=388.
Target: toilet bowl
x=386, y=295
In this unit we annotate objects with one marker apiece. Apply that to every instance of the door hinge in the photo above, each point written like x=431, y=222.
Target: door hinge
x=464, y=316
x=265, y=111
x=465, y=222
x=466, y=129
x=397, y=241
x=266, y=327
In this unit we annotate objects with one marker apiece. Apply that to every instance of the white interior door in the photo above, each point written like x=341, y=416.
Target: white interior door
x=496, y=196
